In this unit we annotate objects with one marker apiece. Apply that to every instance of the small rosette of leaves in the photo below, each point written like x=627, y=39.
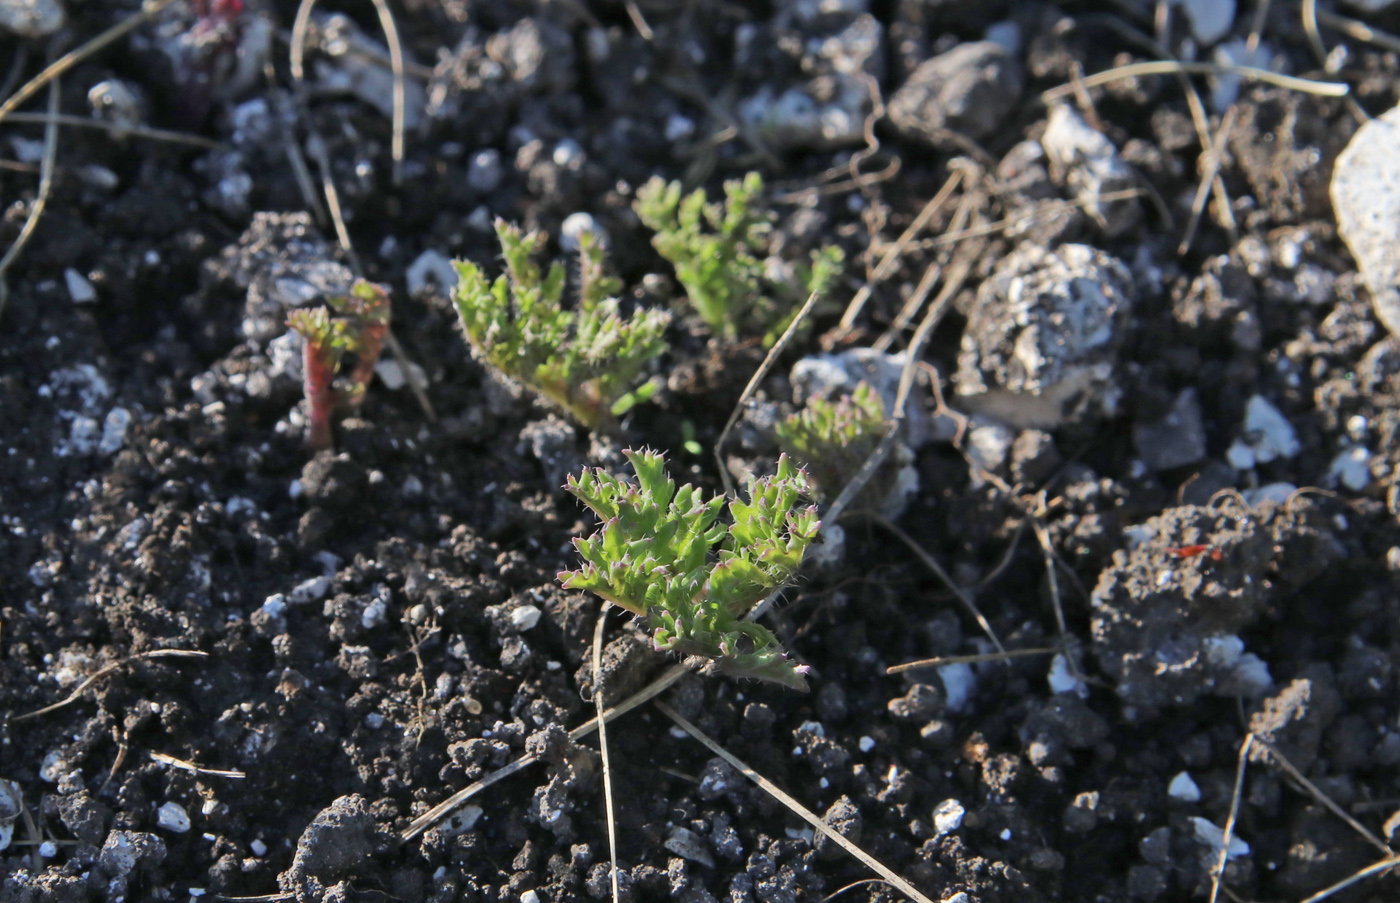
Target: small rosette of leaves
x=718, y=251
x=834, y=439
x=663, y=554
x=588, y=361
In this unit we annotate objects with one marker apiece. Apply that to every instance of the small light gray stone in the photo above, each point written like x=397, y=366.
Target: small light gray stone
x=970, y=89
x=1088, y=164
x=1366, y=200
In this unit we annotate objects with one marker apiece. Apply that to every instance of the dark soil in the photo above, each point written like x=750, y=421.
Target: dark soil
x=380, y=626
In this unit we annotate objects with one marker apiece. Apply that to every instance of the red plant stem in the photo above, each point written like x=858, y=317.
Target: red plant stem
x=316, y=383
x=371, y=344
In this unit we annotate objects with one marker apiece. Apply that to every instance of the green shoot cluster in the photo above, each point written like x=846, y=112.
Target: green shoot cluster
x=589, y=360
x=833, y=439
x=716, y=249
x=653, y=557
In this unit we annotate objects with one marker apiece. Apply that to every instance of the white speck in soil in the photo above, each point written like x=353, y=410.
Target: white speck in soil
x=948, y=816
x=867, y=744
x=173, y=817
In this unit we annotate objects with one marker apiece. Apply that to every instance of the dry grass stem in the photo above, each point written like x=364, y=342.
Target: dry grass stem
x=1210, y=171
x=31, y=222
x=436, y=814
x=752, y=386
x=890, y=258
x=1218, y=872
x=103, y=672
x=193, y=768
x=1171, y=67
x=793, y=805
x=932, y=564
x=138, y=131
x=1358, y=30
x=969, y=659
x=391, y=37
x=1375, y=868
x=72, y=58
x=1316, y=793
x=603, y=748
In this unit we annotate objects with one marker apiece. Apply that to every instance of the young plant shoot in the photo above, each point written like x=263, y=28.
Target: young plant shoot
x=361, y=327
x=833, y=439
x=718, y=251
x=588, y=361
x=653, y=557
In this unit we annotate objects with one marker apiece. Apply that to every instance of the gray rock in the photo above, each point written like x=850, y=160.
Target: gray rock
x=31, y=18
x=1042, y=337
x=339, y=837
x=1165, y=622
x=1366, y=201
x=284, y=263
x=1210, y=19
x=969, y=90
x=1177, y=439
x=1088, y=164
x=829, y=107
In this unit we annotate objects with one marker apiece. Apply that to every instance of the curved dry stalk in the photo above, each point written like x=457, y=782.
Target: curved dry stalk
x=603, y=747
x=1356, y=29
x=31, y=222
x=391, y=37
x=103, y=672
x=1172, y=67
x=793, y=805
x=73, y=57
x=758, y=375
x=445, y=808
x=932, y=564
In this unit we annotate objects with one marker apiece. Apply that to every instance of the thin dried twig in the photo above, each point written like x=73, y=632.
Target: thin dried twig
x=103, y=672
x=1316, y=793
x=932, y=564
x=752, y=386
x=1355, y=28
x=31, y=222
x=436, y=814
x=135, y=131
x=1375, y=868
x=193, y=768
x=1218, y=872
x=391, y=37
x=969, y=659
x=72, y=58
x=890, y=259
x=793, y=805
x=1209, y=173
x=1171, y=67
x=603, y=747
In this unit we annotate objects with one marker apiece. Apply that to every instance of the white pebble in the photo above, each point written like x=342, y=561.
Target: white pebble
x=173, y=817
x=1208, y=833
x=258, y=847
x=1183, y=789
x=79, y=289
x=948, y=816
x=867, y=744
x=525, y=617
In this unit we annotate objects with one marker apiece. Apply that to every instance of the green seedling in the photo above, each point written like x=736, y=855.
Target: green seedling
x=360, y=328
x=717, y=250
x=588, y=361
x=663, y=554
x=833, y=439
